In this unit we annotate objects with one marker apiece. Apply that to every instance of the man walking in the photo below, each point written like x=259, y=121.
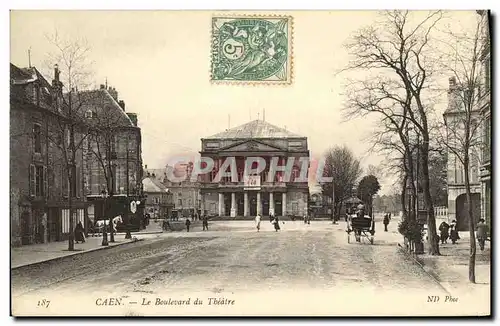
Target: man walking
x=482, y=233
x=188, y=224
x=205, y=222
x=257, y=222
x=386, y=221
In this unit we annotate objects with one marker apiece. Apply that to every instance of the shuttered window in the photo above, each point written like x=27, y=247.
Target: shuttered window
x=32, y=178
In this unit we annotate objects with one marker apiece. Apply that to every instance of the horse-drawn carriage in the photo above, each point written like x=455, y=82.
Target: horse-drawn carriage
x=100, y=225
x=361, y=225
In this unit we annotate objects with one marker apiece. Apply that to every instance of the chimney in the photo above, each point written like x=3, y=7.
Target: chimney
x=114, y=94
x=122, y=104
x=56, y=83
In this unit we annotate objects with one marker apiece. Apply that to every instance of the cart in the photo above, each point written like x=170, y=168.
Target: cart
x=361, y=228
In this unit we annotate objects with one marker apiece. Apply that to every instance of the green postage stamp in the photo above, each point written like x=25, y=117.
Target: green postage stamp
x=252, y=49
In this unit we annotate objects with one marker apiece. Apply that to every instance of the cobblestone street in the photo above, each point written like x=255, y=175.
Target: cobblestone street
x=311, y=268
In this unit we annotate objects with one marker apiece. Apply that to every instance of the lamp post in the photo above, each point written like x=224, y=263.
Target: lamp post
x=104, y=233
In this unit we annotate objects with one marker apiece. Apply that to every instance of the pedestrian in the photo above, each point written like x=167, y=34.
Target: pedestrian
x=79, y=233
x=481, y=233
x=276, y=223
x=454, y=236
x=444, y=229
x=188, y=223
x=205, y=222
x=271, y=218
x=386, y=221
x=257, y=222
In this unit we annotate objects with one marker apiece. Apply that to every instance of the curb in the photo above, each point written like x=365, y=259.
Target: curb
x=401, y=248
x=74, y=254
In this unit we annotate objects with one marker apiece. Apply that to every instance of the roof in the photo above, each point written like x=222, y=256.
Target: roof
x=105, y=107
x=255, y=129
x=22, y=76
x=150, y=184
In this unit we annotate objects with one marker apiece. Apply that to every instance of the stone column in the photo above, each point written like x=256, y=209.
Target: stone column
x=306, y=207
x=259, y=205
x=233, y=204
x=283, y=204
x=271, y=203
x=221, y=204
x=202, y=200
x=245, y=204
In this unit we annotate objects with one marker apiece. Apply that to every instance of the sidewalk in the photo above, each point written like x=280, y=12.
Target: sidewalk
x=451, y=269
x=37, y=253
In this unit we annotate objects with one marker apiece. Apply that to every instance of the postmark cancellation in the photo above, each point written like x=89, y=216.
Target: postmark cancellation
x=252, y=49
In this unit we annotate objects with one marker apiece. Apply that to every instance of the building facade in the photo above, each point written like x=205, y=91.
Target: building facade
x=261, y=193
x=159, y=200
x=113, y=156
x=186, y=193
x=480, y=154
x=485, y=109
x=457, y=203
x=39, y=187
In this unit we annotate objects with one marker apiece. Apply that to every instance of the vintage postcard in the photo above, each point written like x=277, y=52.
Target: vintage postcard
x=250, y=163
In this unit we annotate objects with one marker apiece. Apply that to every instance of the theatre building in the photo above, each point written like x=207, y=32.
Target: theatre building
x=284, y=194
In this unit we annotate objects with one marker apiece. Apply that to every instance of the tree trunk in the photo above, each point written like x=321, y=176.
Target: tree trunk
x=71, y=236
x=403, y=196
x=431, y=220
x=472, y=226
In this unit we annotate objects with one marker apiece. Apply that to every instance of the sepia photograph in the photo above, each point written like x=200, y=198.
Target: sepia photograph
x=196, y=163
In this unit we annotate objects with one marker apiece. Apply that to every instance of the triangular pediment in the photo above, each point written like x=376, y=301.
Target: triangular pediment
x=252, y=146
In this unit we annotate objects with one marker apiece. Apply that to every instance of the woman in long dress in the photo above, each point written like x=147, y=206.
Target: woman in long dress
x=276, y=223
x=79, y=233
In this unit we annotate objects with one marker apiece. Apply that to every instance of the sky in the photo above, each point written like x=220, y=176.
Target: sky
x=159, y=62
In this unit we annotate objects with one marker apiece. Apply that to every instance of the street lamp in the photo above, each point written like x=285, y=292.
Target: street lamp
x=104, y=233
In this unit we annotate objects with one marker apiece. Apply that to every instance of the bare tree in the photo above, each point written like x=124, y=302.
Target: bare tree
x=345, y=169
x=399, y=49
x=463, y=120
x=70, y=130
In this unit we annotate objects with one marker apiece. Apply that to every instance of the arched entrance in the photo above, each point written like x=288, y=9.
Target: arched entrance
x=461, y=210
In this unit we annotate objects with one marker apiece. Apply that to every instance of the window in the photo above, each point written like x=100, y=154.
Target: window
x=37, y=137
x=38, y=180
x=180, y=194
x=180, y=202
x=212, y=145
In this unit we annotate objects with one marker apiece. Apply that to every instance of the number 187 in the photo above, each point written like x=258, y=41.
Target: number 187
x=43, y=303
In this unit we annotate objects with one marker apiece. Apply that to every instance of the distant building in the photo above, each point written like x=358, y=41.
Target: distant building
x=259, y=193
x=186, y=194
x=159, y=199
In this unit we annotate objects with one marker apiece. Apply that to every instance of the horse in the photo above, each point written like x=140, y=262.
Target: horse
x=101, y=224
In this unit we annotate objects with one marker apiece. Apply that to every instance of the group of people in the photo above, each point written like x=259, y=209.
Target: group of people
x=451, y=231
x=448, y=231
x=272, y=219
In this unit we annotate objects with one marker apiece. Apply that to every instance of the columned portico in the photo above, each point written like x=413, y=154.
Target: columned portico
x=221, y=204
x=283, y=209
x=271, y=203
x=256, y=189
x=245, y=205
x=259, y=204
